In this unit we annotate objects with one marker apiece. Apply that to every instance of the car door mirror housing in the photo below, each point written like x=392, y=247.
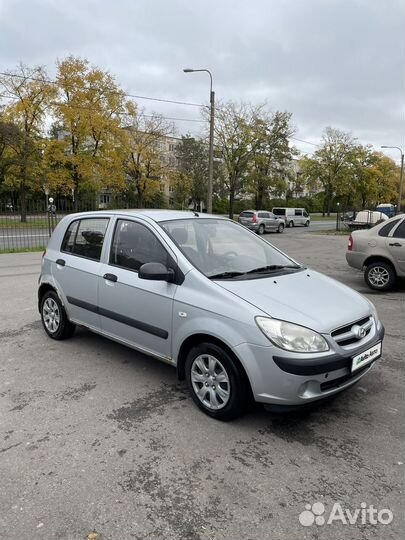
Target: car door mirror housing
x=156, y=271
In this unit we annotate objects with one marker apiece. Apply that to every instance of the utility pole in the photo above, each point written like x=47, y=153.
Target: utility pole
x=211, y=142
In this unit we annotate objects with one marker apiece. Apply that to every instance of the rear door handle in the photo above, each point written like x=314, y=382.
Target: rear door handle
x=60, y=262
x=396, y=244
x=110, y=277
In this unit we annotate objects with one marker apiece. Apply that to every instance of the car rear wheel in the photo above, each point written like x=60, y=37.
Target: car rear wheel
x=54, y=318
x=291, y=223
x=217, y=385
x=261, y=229
x=280, y=228
x=380, y=275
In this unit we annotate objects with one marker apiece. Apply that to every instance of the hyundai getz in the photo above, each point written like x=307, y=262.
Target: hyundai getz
x=237, y=317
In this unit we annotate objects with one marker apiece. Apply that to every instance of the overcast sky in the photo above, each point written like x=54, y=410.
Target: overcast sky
x=329, y=62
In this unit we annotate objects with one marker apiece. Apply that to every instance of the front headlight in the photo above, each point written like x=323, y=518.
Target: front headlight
x=292, y=337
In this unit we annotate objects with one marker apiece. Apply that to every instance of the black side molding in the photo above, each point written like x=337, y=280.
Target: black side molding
x=139, y=325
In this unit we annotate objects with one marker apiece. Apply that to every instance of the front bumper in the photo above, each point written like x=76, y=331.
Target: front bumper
x=293, y=380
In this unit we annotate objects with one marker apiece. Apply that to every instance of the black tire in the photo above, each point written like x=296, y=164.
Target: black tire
x=280, y=228
x=261, y=229
x=380, y=276
x=307, y=224
x=238, y=386
x=63, y=328
x=291, y=224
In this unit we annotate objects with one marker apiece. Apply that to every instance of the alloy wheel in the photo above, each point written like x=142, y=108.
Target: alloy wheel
x=210, y=382
x=378, y=276
x=51, y=314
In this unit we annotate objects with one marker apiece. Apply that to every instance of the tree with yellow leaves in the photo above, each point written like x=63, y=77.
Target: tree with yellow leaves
x=91, y=142
x=29, y=98
x=145, y=165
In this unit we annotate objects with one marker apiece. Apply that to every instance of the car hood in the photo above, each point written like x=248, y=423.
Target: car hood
x=307, y=298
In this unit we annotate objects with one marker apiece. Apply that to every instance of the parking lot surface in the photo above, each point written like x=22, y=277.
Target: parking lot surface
x=98, y=438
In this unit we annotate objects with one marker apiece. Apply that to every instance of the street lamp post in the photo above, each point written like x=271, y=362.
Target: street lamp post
x=401, y=177
x=211, y=141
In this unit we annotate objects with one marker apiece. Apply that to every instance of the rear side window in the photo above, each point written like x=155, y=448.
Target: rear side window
x=69, y=239
x=247, y=214
x=134, y=245
x=400, y=232
x=85, y=238
x=279, y=211
x=385, y=231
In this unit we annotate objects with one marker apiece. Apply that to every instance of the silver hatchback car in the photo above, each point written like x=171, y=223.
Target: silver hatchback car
x=261, y=221
x=238, y=318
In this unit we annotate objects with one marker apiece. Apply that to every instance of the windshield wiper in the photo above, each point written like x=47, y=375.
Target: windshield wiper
x=272, y=268
x=226, y=275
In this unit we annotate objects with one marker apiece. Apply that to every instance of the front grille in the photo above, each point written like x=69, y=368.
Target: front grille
x=346, y=334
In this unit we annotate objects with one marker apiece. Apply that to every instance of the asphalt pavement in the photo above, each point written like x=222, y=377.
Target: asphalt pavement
x=99, y=439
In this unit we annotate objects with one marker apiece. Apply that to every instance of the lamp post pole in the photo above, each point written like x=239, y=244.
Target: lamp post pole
x=211, y=140
x=401, y=176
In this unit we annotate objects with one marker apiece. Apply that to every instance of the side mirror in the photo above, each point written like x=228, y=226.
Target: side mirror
x=156, y=271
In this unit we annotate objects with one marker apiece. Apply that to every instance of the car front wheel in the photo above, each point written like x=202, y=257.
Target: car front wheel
x=280, y=228
x=380, y=276
x=217, y=385
x=54, y=318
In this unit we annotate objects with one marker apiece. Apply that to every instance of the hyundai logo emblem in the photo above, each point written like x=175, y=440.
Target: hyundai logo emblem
x=358, y=331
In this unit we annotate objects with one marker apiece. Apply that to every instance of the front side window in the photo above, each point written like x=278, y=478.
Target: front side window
x=85, y=238
x=134, y=245
x=223, y=249
x=298, y=212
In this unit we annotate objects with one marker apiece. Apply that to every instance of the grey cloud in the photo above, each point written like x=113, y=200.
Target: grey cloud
x=329, y=62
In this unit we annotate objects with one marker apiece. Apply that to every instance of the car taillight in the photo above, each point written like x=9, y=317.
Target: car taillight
x=254, y=218
x=350, y=243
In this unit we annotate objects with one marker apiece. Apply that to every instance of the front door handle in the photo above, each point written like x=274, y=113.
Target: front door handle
x=60, y=262
x=110, y=277
x=396, y=244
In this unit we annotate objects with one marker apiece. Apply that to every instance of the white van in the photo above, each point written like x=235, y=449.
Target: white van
x=293, y=216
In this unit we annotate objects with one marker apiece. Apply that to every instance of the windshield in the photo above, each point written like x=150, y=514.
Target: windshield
x=224, y=250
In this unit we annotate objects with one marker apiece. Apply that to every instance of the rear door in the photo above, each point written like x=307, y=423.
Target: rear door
x=134, y=310
x=77, y=268
x=396, y=246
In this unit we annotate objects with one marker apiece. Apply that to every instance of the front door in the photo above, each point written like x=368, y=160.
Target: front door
x=133, y=310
